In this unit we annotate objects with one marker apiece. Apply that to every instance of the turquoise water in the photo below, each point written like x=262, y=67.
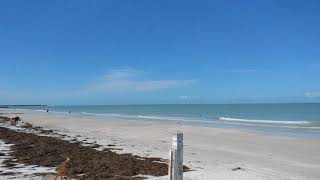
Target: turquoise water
x=280, y=117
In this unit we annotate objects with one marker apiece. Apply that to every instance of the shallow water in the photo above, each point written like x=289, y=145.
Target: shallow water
x=286, y=118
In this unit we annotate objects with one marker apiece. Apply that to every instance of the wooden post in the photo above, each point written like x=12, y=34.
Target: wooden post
x=170, y=165
x=176, y=158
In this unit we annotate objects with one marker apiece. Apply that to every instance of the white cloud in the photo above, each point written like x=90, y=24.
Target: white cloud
x=189, y=97
x=134, y=80
x=183, y=97
x=119, y=74
x=312, y=94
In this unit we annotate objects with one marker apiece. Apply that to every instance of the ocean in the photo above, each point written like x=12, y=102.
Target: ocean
x=286, y=118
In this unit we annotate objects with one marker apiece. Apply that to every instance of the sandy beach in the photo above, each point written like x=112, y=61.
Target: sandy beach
x=212, y=153
x=160, y=90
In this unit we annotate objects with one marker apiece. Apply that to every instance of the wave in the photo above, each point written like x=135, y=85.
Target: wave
x=58, y=112
x=19, y=109
x=106, y=114
x=256, y=121
x=50, y=111
x=225, y=120
x=139, y=116
x=312, y=125
x=40, y=110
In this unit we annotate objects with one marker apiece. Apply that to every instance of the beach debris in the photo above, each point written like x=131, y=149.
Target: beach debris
x=27, y=125
x=113, y=149
x=53, y=177
x=237, y=169
x=96, y=146
x=81, y=176
x=4, y=119
x=7, y=174
x=43, y=131
x=45, y=151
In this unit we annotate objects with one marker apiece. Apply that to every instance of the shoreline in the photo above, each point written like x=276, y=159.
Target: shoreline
x=39, y=152
x=211, y=152
x=295, y=128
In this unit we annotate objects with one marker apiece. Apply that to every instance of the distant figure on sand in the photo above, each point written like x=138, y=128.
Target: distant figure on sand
x=69, y=112
x=47, y=110
x=15, y=120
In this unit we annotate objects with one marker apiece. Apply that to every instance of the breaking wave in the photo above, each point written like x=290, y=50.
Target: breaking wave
x=256, y=121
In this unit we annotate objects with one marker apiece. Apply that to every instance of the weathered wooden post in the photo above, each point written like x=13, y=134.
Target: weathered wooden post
x=176, y=158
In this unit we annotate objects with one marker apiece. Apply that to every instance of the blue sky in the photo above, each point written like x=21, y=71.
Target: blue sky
x=147, y=51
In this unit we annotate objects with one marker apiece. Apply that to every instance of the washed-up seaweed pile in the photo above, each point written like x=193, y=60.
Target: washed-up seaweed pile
x=32, y=149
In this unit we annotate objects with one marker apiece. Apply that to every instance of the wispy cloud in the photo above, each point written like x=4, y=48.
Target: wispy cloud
x=241, y=70
x=130, y=79
x=312, y=94
x=183, y=97
x=120, y=74
x=314, y=66
x=246, y=70
x=189, y=97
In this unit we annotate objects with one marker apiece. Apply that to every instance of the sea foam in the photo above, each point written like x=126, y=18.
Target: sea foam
x=256, y=121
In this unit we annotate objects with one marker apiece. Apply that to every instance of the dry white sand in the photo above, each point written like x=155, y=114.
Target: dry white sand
x=211, y=152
